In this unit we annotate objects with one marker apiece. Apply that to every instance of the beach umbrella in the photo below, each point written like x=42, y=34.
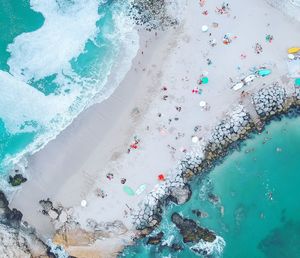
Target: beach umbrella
x=204, y=80
x=204, y=28
x=202, y=103
x=297, y=81
x=195, y=139
x=83, y=203
x=291, y=56
x=161, y=177
x=128, y=190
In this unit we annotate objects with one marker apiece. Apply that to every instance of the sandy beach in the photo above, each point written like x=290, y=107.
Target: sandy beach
x=146, y=126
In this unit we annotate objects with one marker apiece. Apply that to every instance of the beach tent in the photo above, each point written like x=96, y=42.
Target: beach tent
x=128, y=190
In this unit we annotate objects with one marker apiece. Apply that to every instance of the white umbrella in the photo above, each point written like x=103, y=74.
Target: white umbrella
x=291, y=56
x=195, y=139
x=204, y=28
x=202, y=103
x=83, y=203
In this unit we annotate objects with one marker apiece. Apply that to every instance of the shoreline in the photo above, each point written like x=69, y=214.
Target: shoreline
x=82, y=155
x=111, y=113
x=220, y=144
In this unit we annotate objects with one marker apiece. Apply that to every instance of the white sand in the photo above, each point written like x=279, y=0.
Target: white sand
x=70, y=168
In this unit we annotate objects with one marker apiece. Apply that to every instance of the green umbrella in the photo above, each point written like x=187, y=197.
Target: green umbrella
x=128, y=190
x=297, y=82
x=204, y=80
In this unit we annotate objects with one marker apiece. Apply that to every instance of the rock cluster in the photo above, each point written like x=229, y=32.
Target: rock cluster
x=152, y=14
x=269, y=101
x=234, y=127
x=175, y=188
x=191, y=231
x=17, y=239
x=155, y=240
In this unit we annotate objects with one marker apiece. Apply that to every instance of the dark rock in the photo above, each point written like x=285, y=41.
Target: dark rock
x=190, y=231
x=176, y=247
x=14, y=218
x=200, y=214
x=9, y=217
x=17, y=179
x=155, y=240
x=213, y=198
x=47, y=205
x=151, y=14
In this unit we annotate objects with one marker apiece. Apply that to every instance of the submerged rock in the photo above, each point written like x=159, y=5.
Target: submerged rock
x=155, y=240
x=200, y=214
x=190, y=231
x=176, y=247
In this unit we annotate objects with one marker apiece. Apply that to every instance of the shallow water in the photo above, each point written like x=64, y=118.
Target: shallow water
x=258, y=188
x=56, y=57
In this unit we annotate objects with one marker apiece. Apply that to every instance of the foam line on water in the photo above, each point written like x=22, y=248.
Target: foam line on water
x=67, y=27
x=22, y=106
x=65, y=107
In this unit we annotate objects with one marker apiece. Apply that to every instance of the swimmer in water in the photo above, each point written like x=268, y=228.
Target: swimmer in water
x=271, y=196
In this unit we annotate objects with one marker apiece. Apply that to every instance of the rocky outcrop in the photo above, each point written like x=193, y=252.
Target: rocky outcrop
x=180, y=195
x=190, y=230
x=17, y=179
x=17, y=238
x=152, y=14
x=269, y=101
x=155, y=240
x=236, y=126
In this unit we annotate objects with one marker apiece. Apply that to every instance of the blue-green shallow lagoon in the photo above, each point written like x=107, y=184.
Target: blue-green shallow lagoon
x=259, y=189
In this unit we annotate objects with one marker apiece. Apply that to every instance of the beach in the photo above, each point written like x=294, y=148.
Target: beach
x=147, y=125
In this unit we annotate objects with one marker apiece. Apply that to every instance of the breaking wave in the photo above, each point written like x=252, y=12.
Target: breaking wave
x=76, y=58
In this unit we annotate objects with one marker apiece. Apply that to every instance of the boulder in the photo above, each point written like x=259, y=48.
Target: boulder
x=17, y=179
x=180, y=195
x=190, y=231
x=155, y=240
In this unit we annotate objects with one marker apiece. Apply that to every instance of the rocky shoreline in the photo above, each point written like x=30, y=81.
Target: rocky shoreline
x=269, y=103
x=18, y=239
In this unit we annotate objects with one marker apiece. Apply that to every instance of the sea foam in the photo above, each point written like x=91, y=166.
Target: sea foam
x=50, y=50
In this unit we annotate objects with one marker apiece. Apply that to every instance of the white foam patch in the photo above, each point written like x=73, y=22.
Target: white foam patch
x=22, y=103
x=67, y=27
x=215, y=248
x=60, y=110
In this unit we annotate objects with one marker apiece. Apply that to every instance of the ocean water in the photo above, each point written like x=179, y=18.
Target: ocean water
x=57, y=57
x=258, y=215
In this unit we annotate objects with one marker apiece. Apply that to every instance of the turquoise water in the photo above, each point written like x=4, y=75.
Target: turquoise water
x=56, y=59
x=259, y=189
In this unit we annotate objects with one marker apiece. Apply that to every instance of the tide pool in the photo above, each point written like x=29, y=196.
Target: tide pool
x=57, y=57
x=258, y=214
